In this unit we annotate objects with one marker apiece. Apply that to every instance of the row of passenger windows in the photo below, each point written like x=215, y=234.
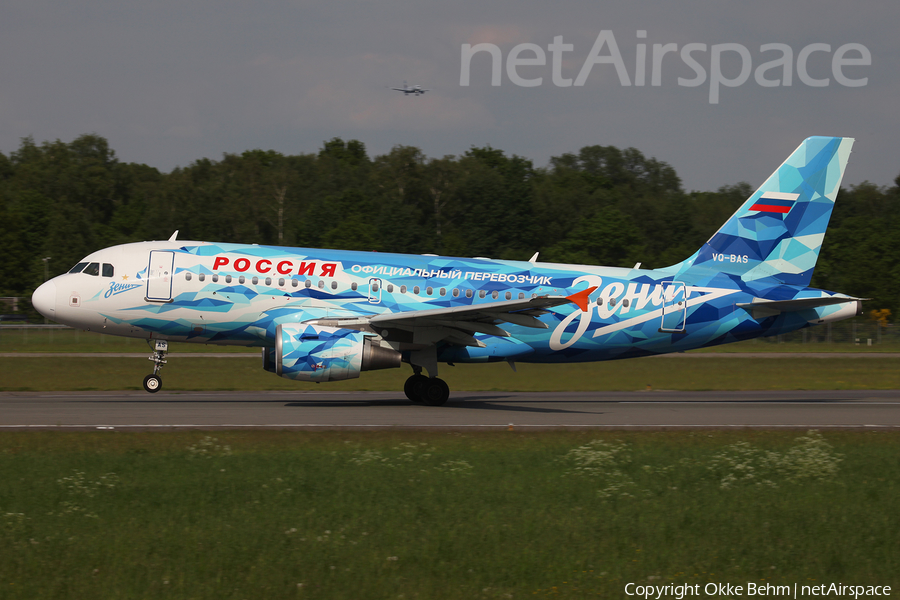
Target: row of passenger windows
x=95, y=269
x=429, y=291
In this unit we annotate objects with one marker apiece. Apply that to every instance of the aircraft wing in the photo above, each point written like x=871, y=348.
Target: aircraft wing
x=458, y=324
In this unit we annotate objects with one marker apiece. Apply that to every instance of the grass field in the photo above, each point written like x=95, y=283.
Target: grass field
x=74, y=340
x=14, y=339
x=677, y=373
x=338, y=515
x=440, y=515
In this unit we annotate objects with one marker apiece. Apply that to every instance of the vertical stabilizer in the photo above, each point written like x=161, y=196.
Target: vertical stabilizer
x=777, y=233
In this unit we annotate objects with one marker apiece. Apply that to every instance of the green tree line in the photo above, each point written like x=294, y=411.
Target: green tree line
x=601, y=205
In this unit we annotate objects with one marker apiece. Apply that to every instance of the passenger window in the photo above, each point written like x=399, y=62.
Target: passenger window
x=402, y=289
x=456, y=292
x=215, y=278
x=93, y=269
x=294, y=283
x=281, y=282
x=254, y=280
x=334, y=285
x=187, y=276
x=428, y=291
x=468, y=293
x=481, y=294
x=495, y=294
x=353, y=286
x=307, y=284
x=241, y=279
x=416, y=290
x=201, y=277
x=390, y=288
x=625, y=302
x=228, y=279
x=108, y=270
x=443, y=292
x=508, y=295
x=521, y=295
x=78, y=268
x=268, y=281
x=321, y=284
x=375, y=287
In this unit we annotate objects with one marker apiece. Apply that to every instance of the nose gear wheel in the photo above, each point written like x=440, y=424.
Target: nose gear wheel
x=153, y=382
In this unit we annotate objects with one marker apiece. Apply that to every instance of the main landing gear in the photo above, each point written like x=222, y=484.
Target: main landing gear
x=153, y=382
x=429, y=391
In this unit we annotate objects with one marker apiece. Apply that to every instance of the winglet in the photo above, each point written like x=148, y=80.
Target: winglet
x=533, y=259
x=581, y=298
x=174, y=235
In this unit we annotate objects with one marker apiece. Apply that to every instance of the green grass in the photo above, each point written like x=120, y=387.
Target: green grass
x=74, y=340
x=13, y=339
x=246, y=373
x=439, y=516
x=765, y=346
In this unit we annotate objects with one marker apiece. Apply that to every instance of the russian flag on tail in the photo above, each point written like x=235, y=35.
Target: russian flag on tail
x=775, y=202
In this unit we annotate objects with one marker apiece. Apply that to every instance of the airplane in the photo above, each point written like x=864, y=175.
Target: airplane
x=327, y=315
x=416, y=90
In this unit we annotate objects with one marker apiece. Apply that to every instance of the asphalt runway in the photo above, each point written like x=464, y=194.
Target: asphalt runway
x=485, y=410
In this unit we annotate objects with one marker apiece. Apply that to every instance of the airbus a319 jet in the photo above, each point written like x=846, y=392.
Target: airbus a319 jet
x=326, y=315
x=415, y=90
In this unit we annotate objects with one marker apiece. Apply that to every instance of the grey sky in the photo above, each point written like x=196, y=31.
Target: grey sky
x=170, y=82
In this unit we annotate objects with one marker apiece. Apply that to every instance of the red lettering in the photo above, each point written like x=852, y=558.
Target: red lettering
x=307, y=268
x=328, y=269
x=259, y=268
x=285, y=266
x=242, y=264
x=221, y=261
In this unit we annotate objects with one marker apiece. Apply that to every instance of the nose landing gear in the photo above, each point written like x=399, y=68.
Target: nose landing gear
x=153, y=382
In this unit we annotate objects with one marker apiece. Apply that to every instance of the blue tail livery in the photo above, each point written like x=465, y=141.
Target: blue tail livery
x=327, y=315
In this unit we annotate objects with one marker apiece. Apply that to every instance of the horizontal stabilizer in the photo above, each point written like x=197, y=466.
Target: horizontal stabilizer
x=761, y=308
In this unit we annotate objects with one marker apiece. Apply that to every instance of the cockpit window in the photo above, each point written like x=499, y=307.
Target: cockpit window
x=78, y=268
x=108, y=270
x=93, y=269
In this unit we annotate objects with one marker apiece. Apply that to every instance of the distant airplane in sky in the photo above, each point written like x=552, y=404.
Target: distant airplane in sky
x=326, y=315
x=416, y=90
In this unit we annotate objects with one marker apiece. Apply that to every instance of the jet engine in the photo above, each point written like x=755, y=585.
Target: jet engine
x=318, y=353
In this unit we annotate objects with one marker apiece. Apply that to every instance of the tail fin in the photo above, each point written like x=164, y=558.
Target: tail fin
x=777, y=233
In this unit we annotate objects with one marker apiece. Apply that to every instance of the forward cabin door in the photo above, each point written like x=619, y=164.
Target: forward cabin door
x=674, y=308
x=159, y=275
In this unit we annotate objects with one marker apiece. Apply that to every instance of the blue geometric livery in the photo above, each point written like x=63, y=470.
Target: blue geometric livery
x=326, y=315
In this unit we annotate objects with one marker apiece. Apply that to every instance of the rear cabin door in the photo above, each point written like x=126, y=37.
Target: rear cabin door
x=674, y=308
x=159, y=275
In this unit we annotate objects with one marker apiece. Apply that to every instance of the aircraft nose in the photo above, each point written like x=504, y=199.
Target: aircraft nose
x=44, y=299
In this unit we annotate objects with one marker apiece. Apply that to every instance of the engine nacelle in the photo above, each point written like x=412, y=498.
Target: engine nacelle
x=317, y=353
